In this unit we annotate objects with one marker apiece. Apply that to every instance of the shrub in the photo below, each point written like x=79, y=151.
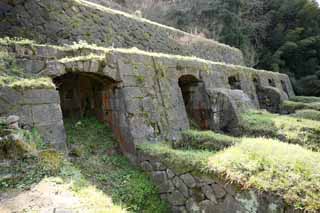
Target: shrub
x=305, y=99
x=286, y=128
x=307, y=114
x=291, y=106
x=205, y=140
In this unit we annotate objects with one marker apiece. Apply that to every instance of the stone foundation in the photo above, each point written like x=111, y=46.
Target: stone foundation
x=188, y=191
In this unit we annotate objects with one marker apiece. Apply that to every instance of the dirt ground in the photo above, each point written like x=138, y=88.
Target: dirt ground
x=45, y=197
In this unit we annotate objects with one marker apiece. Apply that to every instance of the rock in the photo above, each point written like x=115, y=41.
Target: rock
x=181, y=186
x=188, y=180
x=159, y=177
x=192, y=206
x=218, y=190
x=178, y=209
x=146, y=166
x=176, y=198
x=170, y=174
x=13, y=122
x=207, y=206
x=207, y=190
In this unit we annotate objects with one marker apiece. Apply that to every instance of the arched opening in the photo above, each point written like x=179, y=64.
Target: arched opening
x=85, y=95
x=195, y=100
x=234, y=82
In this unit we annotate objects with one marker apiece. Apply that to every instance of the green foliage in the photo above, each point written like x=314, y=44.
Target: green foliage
x=290, y=129
x=307, y=114
x=305, y=99
x=291, y=106
x=208, y=140
x=101, y=163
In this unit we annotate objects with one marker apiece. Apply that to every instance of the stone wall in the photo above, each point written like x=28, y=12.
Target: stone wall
x=189, y=191
x=146, y=100
x=39, y=108
x=61, y=22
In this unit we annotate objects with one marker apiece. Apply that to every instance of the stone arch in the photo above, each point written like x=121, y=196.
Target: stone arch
x=85, y=94
x=195, y=100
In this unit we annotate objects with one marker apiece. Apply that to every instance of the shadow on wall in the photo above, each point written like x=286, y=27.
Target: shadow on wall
x=195, y=100
x=85, y=95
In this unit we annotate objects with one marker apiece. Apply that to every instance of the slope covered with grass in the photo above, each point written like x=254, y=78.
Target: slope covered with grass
x=294, y=130
x=287, y=170
x=97, y=156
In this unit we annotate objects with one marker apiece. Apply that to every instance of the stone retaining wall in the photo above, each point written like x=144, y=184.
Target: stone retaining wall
x=61, y=22
x=39, y=108
x=186, y=191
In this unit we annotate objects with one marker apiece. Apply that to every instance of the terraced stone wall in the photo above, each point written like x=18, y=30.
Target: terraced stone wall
x=187, y=191
x=146, y=101
x=64, y=22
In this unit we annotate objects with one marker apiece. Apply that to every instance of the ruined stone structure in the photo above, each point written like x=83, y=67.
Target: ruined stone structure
x=150, y=94
x=142, y=95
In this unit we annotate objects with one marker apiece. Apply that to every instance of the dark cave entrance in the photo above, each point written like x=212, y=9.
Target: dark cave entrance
x=85, y=95
x=195, y=101
x=234, y=82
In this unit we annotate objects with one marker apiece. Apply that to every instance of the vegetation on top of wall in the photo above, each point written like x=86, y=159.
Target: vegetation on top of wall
x=207, y=140
x=26, y=83
x=286, y=128
x=89, y=57
x=292, y=106
x=307, y=114
x=305, y=99
x=264, y=164
x=84, y=45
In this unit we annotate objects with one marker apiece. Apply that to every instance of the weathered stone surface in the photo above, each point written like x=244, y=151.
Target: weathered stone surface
x=188, y=180
x=159, y=177
x=106, y=29
x=192, y=206
x=181, y=186
x=218, y=190
x=207, y=190
x=176, y=198
x=170, y=173
x=207, y=206
x=146, y=166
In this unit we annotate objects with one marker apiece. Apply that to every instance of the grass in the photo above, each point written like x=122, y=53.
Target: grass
x=100, y=162
x=96, y=174
x=264, y=164
x=307, y=114
x=292, y=106
x=290, y=129
x=27, y=83
x=305, y=99
x=206, y=140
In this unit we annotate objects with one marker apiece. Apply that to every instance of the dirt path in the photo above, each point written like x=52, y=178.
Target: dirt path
x=45, y=197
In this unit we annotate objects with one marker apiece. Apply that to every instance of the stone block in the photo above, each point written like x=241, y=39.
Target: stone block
x=207, y=206
x=188, y=180
x=176, y=198
x=218, y=190
x=146, y=166
x=179, y=184
x=208, y=191
x=159, y=177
